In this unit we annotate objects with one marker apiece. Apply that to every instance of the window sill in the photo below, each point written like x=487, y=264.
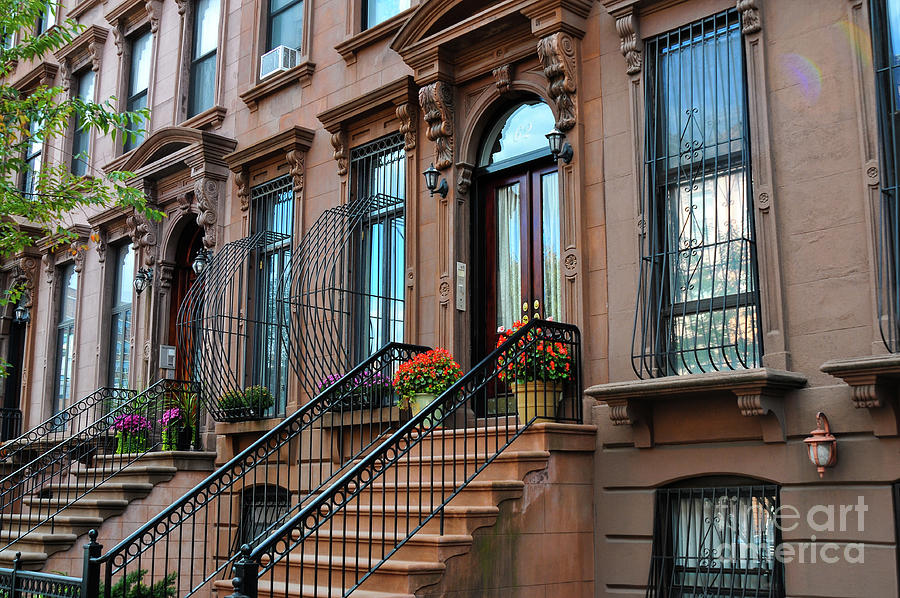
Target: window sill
x=81, y=7
x=759, y=393
x=211, y=118
x=302, y=72
x=874, y=381
x=352, y=45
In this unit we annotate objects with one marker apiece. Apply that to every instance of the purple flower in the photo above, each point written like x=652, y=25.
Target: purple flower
x=131, y=423
x=170, y=417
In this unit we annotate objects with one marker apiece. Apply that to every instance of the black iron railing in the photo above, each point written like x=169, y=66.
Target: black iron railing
x=10, y=423
x=716, y=542
x=198, y=537
x=80, y=460
x=343, y=534
x=17, y=583
x=60, y=426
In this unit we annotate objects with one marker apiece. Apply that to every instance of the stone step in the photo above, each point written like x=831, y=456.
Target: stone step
x=87, y=506
x=363, y=518
x=280, y=589
x=37, y=542
x=111, y=489
x=61, y=524
x=149, y=474
x=421, y=546
x=30, y=561
x=477, y=493
x=510, y=464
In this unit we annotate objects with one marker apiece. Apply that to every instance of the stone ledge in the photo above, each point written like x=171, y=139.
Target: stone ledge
x=246, y=427
x=302, y=72
x=759, y=393
x=353, y=44
x=874, y=381
x=361, y=417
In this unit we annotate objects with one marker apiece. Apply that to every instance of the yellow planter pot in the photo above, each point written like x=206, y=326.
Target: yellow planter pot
x=420, y=400
x=537, y=399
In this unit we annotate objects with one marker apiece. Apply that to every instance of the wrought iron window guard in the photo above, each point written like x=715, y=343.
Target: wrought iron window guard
x=10, y=423
x=445, y=424
x=70, y=466
x=298, y=455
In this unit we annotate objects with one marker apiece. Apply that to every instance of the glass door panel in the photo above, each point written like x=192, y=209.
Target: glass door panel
x=551, y=246
x=509, y=254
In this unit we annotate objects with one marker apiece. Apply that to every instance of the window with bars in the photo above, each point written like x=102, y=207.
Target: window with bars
x=885, y=25
x=261, y=508
x=716, y=542
x=272, y=205
x=120, y=317
x=65, y=337
x=204, y=44
x=378, y=177
x=81, y=134
x=138, y=81
x=698, y=301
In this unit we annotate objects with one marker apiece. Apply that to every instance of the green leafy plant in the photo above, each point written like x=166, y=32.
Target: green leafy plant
x=430, y=372
x=231, y=400
x=258, y=397
x=132, y=586
x=251, y=402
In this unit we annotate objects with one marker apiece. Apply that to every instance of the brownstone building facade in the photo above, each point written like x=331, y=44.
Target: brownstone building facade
x=721, y=228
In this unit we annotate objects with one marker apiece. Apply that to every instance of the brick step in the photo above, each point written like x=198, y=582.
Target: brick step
x=509, y=465
x=280, y=589
x=394, y=575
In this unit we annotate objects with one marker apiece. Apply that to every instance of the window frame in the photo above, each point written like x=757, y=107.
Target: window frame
x=27, y=182
x=46, y=22
x=130, y=99
x=657, y=348
x=270, y=16
x=364, y=14
x=65, y=325
x=193, y=61
x=120, y=278
x=78, y=131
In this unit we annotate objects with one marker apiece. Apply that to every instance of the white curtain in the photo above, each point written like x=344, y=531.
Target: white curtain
x=550, y=227
x=509, y=251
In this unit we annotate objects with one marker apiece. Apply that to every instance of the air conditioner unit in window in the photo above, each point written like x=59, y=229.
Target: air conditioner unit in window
x=281, y=58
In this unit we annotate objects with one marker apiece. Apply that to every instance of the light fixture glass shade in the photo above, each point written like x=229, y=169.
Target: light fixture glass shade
x=200, y=262
x=555, y=138
x=821, y=445
x=22, y=314
x=431, y=178
x=140, y=281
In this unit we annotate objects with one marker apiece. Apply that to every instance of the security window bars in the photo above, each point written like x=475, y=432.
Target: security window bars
x=120, y=318
x=262, y=507
x=716, y=542
x=273, y=211
x=33, y=152
x=81, y=135
x=376, y=11
x=698, y=304
x=65, y=337
x=378, y=177
x=203, y=56
x=138, y=81
x=285, y=23
x=885, y=25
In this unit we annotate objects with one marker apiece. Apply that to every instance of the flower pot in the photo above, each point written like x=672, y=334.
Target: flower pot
x=131, y=443
x=185, y=437
x=419, y=401
x=537, y=399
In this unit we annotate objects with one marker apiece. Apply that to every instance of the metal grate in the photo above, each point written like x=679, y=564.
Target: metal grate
x=885, y=24
x=716, y=542
x=698, y=301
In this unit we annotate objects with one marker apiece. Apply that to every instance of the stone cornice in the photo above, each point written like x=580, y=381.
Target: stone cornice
x=42, y=74
x=132, y=13
x=350, y=46
x=296, y=138
x=401, y=91
x=86, y=47
x=81, y=7
x=303, y=73
x=874, y=381
x=759, y=393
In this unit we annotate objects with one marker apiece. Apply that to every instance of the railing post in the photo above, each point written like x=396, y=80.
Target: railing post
x=245, y=582
x=14, y=578
x=90, y=580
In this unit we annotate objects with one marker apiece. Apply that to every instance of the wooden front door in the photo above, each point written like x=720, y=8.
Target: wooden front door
x=518, y=245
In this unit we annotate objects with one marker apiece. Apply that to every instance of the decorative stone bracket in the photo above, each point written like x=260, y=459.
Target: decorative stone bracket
x=759, y=393
x=874, y=381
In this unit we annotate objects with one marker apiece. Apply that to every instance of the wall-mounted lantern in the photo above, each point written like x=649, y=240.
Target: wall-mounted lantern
x=142, y=279
x=201, y=261
x=559, y=147
x=822, y=445
x=431, y=182
x=22, y=314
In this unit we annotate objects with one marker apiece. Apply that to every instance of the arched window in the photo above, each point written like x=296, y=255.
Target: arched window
x=519, y=132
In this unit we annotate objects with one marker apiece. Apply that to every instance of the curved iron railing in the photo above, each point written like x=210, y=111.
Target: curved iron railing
x=66, y=471
x=10, y=423
x=59, y=426
x=324, y=313
x=229, y=315
x=278, y=473
x=342, y=535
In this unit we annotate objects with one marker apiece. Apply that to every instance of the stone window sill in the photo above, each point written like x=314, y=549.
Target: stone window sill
x=352, y=45
x=211, y=118
x=874, y=381
x=302, y=72
x=81, y=7
x=759, y=393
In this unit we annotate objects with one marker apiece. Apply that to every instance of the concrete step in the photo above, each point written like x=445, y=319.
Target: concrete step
x=280, y=589
x=87, y=506
x=37, y=542
x=508, y=465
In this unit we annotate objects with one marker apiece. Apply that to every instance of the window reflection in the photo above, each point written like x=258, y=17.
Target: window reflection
x=519, y=132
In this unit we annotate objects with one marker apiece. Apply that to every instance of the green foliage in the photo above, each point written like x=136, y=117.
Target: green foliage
x=258, y=397
x=132, y=586
x=252, y=401
x=430, y=372
x=231, y=400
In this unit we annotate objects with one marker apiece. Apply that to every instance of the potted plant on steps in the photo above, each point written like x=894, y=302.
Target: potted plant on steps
x=188, y=406
x=132, y=430
x=536, y=371
x=420, y=380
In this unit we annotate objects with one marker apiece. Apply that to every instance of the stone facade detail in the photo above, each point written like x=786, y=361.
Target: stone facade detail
x=502, y=78
x=749, y=10
x=339, y=143
x=436, y=100
x=557, y=55
x=242, y=181
x=206, y=191
x=627, y=27
x=406, y=112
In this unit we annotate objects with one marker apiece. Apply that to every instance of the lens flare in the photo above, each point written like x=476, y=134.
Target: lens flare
x=859, y=40
x=804, y=73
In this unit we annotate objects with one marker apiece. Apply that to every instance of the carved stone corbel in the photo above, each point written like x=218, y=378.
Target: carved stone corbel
x=153, y=9
x=749, y=10
x=143, y=235
x=206, y=191
x=65, y=73
x=119, y=40
x=242, y=180
x=557, y=55
x=339, y=143
x=463, y=179
x=406, y=114
x=48, y=261
x=630, y=41
x=98, y=236
x=436, y=100
x=182, y=6
x=26, y=277
x=502, y=78
x=77, y=249
x=95, y=49
x=874, y=382
x=634, y=413
x=296, y=163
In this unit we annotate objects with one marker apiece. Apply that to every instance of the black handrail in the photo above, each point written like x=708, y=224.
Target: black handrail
x=68, y=470
x=58, y=426
x=524, y=358
x=274, y=476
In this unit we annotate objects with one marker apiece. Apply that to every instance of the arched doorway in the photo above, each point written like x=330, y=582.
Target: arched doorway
x=516, y=225
x=189, y=243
